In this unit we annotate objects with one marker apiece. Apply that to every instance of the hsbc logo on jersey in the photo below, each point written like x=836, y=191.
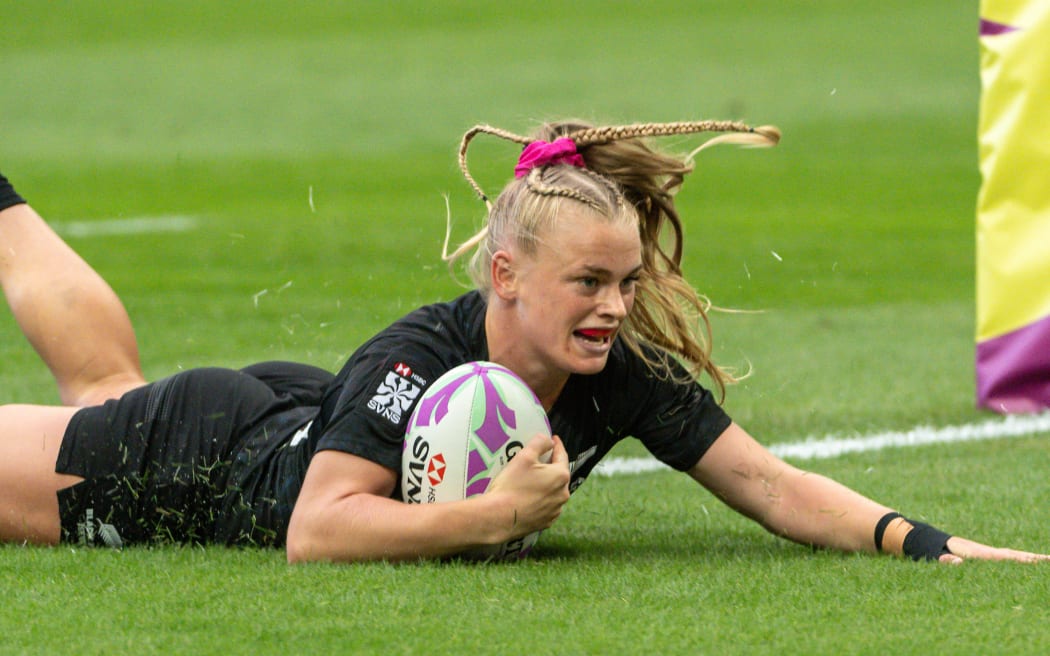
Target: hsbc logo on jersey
x=405, y=371
x=394, y=396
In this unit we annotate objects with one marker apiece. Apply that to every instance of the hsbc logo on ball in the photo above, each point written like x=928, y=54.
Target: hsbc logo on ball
x=436, y=469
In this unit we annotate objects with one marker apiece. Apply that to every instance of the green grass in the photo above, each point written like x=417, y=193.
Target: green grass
x=641, y=564
x=854, y=238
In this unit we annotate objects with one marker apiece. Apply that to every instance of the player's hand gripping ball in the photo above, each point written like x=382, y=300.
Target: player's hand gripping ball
x=464, y=430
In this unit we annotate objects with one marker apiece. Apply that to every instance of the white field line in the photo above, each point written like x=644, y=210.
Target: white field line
x=130, y=226
x=832, y=445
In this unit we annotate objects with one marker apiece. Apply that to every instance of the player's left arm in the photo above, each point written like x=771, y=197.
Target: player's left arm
x=812, y=509
x=798, y=505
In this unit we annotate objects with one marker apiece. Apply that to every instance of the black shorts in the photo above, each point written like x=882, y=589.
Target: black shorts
x=157, y=462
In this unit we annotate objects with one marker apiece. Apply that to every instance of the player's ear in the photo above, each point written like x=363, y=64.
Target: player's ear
x=504, y=275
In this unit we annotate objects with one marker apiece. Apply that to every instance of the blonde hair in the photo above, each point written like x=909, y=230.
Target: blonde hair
x=624, y=180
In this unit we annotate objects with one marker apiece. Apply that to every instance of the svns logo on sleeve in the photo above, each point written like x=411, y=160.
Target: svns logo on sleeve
x=395, y=394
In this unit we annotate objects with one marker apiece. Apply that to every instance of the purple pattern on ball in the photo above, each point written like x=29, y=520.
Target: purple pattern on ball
x=497, y=414
x=435, y=406
x=478, y=486
x=475, y=465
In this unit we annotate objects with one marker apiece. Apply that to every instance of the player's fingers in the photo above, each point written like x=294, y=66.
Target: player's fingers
x=1020, y=556
x=970, y=549
x=559, y=456
x=538, y=446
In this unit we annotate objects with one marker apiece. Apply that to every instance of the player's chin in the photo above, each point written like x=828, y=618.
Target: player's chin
x=586, y=364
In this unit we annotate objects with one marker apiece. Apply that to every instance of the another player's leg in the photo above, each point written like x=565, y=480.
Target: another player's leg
x=68, y=313
x=29, y=440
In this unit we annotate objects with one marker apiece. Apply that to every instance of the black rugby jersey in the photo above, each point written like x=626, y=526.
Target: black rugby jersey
x=365, y=409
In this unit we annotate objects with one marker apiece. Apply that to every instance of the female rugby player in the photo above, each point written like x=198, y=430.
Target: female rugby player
x=576, y=293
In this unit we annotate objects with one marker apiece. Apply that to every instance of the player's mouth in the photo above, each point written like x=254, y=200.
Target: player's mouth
x=595, y=336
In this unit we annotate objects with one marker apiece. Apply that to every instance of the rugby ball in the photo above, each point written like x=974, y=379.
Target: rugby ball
x=464, y=430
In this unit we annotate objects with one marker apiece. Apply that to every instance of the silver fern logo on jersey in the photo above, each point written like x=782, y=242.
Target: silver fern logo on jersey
x=394, y=396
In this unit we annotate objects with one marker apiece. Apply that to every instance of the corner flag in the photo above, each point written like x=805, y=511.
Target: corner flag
x=1013, y=208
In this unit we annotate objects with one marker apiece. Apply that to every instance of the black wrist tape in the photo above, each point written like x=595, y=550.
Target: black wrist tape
x=925, y=542
x=8, y=195
x=880, y=528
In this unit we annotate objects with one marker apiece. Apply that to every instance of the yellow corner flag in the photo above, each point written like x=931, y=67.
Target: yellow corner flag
x=1013, y=207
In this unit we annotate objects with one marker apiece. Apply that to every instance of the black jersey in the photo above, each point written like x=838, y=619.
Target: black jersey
x=366, y=408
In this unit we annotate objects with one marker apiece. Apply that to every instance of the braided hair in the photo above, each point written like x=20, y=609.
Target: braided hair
x=624, y=179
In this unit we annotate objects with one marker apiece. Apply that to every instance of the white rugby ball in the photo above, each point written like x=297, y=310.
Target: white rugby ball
x=464, y=430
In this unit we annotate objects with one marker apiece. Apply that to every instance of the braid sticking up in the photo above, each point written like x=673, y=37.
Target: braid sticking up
x=614, y=171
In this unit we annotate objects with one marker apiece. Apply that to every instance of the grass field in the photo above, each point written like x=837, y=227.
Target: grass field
x=312, y=144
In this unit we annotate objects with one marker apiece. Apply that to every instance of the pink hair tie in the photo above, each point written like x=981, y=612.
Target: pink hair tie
x=541, y=153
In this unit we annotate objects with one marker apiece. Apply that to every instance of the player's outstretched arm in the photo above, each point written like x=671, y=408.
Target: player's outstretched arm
x=812, y=509
x=345, y=513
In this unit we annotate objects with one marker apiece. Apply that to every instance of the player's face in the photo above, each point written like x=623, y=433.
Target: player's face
x=575, y=291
